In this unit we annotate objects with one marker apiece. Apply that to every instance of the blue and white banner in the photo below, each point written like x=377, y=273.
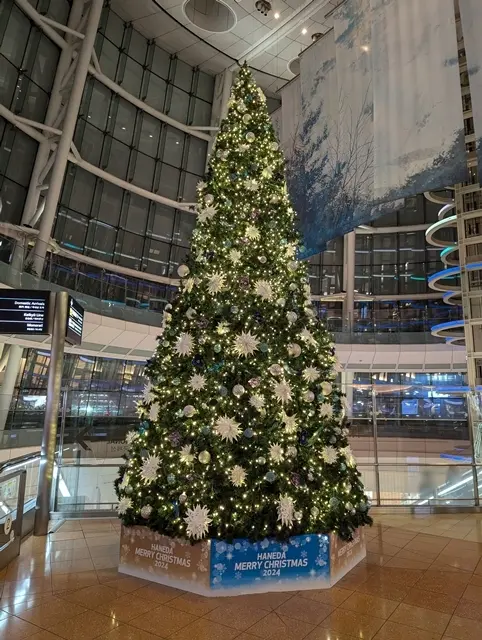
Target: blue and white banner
x=419, y=131
x=299, y=560
x=381, y=115
x=471, y=16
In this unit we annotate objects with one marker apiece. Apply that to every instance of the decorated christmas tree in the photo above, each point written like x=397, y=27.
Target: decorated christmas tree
x=242, y=431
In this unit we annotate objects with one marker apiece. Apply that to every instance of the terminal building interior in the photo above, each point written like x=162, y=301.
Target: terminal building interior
x=112, y=117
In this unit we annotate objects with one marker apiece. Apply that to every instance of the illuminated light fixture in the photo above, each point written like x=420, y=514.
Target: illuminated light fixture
x=276, y=16
x=304, y=31
x=365, y=47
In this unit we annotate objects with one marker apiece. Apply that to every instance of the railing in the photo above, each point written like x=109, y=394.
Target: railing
x=18, y=492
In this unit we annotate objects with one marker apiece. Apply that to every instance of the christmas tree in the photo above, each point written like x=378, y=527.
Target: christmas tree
x=242, y=431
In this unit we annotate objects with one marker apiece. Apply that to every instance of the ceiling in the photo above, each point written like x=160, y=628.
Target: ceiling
x=267, y=43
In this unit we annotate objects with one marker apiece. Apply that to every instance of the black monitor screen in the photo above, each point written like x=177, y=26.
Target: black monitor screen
x=24, y=312
x=75, y=322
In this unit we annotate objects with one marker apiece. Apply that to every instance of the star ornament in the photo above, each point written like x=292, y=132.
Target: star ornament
x=227, y=428
x=216, y=283
x=149, y=468
x=307, y=336
x=251, y=185
x=197, y=521
x=263, y=289
x=235, y=256
x=131, y=437
x=252, y=232
x=184, y=344
x=238, y=476
x=197, y=382
x=282, y=391
x=329, y=455
x=286, y=510
x=207, y=213
x=187, y=456
x=124, y=505
x=276, y=453
x=326, y=410
x=245, y=344
x=290, y=422
x=311, y=374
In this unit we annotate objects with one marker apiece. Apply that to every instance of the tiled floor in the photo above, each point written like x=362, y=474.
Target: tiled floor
x=422, y=580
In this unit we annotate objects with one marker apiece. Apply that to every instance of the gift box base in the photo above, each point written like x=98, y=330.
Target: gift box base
x=218, y=568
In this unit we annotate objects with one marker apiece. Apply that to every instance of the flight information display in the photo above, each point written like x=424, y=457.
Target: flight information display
x=24, y=312
x=75, y=322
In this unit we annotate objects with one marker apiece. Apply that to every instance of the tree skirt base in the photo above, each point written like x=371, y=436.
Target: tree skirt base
x=217, y=568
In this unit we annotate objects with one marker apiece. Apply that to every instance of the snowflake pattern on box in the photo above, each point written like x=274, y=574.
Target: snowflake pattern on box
x=301, y=558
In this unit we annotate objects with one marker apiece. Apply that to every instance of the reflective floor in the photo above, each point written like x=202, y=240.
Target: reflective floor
x=422, y=580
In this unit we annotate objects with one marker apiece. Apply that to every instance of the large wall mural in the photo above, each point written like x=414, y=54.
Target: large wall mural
x=375, y=115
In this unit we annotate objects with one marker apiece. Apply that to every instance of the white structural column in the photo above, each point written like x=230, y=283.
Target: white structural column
x=347, y=388
x=222, y=91
x=349, y=281
x=9, y=378
x=65, y=142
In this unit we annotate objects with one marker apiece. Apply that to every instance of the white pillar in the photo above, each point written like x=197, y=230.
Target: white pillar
x=222, y=91
x=347, y=388
x=349, y=281
x=9, y=379
x=68, y=128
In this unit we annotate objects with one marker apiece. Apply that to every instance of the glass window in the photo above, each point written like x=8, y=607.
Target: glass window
x=118, y=158
x=8, y=81
x=89, y=141
x=17, y=31
x=363, y=249
x=156, y=92
x=205, y=86
x=137, y=213
x=114, y=29
x=108, y=57
x=157, y=256
x=183, y=75
x=129, y=254
x=13, y=199
x=185, y=222
x=196, y=159
x=150, y=130
x=100, y=240
x=45, y=63
x=178, y=105
x=59, y=10
x=22, y=157
x=202, y=113
x=173, y=146
x=125, y=120
x=132, y=77
x=144, y=171
x=82, y=190
x=71, y=229
x=138, y=47
x=169, y=182
x=162, y=221
x=161, y=61
x=35, y=101
x=110, y=205
x=99, y=104
x=189, y=188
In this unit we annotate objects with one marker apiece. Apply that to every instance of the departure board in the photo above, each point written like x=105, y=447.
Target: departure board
x=24, y=312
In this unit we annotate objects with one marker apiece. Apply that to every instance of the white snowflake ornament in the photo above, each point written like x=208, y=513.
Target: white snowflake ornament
x=251, y=185
x=153, y=412
x=311, y=374
x=257, y=401
x=149, y=468
x=290, y=422
x=198, y=522
x=326, y=411
x=238, y=476
x=131, y=437
x=308, y=337
x=207, y=213
x=235, y=256
x=186, y=454
x=282, y=391
x=276, y=453
x=263, y=289
x=216, y=283
x=227, y=428
x=245, y=344
x=184, y=344
x=329, y=454
x=286, y=510
x=124, y=505
x=197, y=382
x=252, y=232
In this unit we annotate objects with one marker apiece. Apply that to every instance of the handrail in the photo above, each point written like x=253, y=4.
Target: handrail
x=19, y=461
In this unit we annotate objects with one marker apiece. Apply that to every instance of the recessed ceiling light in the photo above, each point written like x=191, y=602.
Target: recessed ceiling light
x=276, y=16
x=304, y=31
x=365, y=47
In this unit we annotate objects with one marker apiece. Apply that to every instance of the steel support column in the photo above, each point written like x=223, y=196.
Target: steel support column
x=68, y=128
x=349, y=281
